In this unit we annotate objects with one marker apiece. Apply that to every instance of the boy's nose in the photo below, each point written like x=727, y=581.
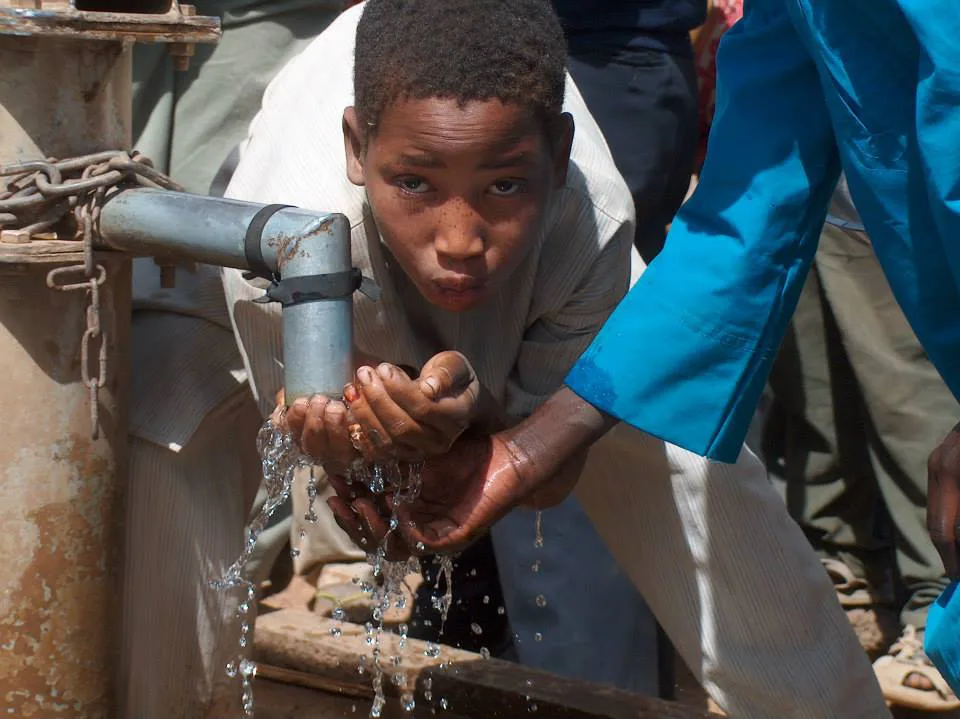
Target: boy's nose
x=460, y=233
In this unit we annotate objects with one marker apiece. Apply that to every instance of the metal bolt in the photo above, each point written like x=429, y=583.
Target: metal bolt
x=14, y=237
x=181, y=52
x=168, y=277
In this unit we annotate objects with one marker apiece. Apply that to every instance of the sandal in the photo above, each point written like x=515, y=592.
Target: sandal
x=905, y=658
x=852, y=591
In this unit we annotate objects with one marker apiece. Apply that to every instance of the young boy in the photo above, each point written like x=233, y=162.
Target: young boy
x=492, y=235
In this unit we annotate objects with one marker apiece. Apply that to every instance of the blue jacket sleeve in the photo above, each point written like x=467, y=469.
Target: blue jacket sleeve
x=686, y=354
x=936, y=24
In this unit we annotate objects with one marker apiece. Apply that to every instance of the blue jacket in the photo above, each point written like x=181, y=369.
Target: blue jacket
x=805, y=87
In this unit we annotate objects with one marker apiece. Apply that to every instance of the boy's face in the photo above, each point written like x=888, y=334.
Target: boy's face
x=459, y=193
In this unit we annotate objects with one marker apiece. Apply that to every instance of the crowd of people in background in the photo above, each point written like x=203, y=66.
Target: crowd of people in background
x=844, y=428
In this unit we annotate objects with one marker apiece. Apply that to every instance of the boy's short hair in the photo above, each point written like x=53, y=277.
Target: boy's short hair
x=509, y=50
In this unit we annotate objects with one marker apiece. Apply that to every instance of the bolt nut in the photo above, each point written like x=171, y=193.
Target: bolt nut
x=181, y=52
x=14, y=237
x=168, y=277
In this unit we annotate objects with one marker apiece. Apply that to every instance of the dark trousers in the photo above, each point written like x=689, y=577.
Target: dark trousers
x=857, y=408
x=645, y=102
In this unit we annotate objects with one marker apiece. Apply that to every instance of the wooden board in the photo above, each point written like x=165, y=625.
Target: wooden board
x=459, y=681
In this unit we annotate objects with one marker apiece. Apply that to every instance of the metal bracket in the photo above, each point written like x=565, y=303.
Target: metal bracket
x=314, y=288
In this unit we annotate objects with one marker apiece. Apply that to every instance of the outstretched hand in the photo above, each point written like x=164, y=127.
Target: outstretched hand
x=465, y=491
x=943, y=501
x=462, y=494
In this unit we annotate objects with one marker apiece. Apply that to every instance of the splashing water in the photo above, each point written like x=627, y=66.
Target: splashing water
x=279, y=458
x=538, y=530
x=388, y=591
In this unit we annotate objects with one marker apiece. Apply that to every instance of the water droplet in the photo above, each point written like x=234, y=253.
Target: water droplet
x=535, y=567
x=501, y=611
x=537, y=637
x=232, y=669
x=338, y=614
x=476, y=628
x=432, y=650
x=335, y=632
x=484, y=652
x=533, y=707
x=408, y=702
x=538, y=530
x=421, y=547
x=444, y=704
x=486, y=599
x=541, y=601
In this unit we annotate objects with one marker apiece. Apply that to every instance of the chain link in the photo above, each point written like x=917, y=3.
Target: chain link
x=40, y=195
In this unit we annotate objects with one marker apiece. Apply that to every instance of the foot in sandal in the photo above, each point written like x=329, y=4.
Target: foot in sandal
x=908, y=678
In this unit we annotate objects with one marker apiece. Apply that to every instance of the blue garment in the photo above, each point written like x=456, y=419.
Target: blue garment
x=940, y=638
x=805, y=86
x=617, y=25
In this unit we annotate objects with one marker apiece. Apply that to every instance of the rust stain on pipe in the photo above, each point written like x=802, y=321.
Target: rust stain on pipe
x=288, y=247
x=58, y=629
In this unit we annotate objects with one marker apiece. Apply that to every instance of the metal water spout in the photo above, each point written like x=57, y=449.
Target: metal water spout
x=305, y=253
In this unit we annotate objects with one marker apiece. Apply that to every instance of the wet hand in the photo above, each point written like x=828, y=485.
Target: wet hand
x=943, y=501
x=462, y=494
x=320, y=428
x=410, y=419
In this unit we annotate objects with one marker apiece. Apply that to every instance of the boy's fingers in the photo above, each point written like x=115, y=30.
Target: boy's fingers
x=335, y=422
x=446, y=374
x=313, y=434
x=376, y=413
x=295, y=417
x=433, y=423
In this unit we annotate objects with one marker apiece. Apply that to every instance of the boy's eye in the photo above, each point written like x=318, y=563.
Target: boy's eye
x=505, y=188
x=413, y=185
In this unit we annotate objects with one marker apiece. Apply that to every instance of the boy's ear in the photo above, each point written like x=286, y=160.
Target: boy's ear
x=354, y=141
x=561, y=137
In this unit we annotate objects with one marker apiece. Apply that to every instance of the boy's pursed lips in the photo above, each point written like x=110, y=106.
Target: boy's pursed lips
x=459, y=284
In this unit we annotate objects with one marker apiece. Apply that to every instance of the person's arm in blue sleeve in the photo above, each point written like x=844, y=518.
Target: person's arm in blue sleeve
x=685, y=356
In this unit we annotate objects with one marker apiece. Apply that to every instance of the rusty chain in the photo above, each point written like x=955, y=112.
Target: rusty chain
x=38, y=196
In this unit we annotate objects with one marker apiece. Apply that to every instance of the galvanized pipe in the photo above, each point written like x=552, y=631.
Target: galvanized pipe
x=317, y=334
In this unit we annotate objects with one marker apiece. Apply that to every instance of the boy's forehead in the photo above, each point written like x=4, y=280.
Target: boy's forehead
x=425, y=126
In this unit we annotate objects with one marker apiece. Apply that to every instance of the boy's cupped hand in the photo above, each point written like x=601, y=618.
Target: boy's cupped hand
x=394, y=416
x=386, y=414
